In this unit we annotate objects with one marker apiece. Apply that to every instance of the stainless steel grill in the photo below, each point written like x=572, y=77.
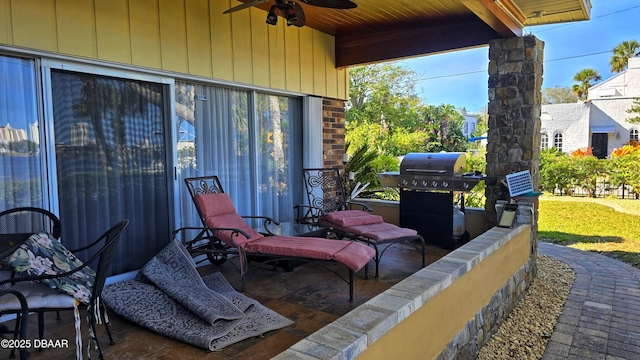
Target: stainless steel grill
x=427, y=182
x=432, y=171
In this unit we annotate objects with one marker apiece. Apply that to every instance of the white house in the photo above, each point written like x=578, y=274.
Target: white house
x=600, y=122
x=469, y=126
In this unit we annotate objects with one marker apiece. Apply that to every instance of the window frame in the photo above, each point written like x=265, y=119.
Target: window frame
x=558, y=140
x=544, y=141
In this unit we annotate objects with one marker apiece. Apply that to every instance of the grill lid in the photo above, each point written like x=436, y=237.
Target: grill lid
x=427, y=165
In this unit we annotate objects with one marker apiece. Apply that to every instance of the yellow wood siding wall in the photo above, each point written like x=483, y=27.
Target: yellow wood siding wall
x=183, y=36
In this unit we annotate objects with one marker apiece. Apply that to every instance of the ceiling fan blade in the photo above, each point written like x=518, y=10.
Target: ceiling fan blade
x=244, y=6
x=334, y=4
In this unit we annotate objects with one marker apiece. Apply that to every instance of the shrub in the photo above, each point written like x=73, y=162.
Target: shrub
x=625, y=169
x=476, y=161
x=557, y=171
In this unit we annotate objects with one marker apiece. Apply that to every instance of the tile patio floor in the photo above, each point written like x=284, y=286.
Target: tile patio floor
x=309, y=295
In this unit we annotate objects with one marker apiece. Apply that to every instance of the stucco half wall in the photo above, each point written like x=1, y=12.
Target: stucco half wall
x=450, y=307
x=427, y=332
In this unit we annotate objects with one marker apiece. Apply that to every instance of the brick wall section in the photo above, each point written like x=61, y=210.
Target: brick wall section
x=333, y=132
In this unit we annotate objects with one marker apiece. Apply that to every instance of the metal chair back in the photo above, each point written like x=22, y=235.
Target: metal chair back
x=29, y=220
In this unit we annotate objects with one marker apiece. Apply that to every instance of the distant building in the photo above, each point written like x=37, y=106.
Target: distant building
x=34, y=132
x=469, y=126
x=9, y=134
x=600, y=122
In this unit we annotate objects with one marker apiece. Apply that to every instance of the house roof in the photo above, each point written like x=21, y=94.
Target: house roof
x=624, y=84
x=382, y=30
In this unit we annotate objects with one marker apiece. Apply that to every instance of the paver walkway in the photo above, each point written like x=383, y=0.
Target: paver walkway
x=601, y=318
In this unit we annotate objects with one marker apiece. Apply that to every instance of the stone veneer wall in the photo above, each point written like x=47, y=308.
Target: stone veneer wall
x=468, y=342
x=513, y=140
x=333, y=132
x=513, y=145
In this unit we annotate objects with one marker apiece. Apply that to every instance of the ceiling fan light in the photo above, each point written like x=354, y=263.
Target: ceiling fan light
x=290, y=15
x=272, y=16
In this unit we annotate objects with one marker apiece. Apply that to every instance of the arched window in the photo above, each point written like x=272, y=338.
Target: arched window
x=557, y=142
x=633, y=135
x=544, y=141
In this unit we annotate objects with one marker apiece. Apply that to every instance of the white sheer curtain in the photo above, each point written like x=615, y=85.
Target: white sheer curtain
x=278, y=167
x=20, y=161
x=252, y=142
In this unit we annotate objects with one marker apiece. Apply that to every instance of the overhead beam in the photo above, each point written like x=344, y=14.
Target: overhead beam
x=391, y=44
x=503, y=16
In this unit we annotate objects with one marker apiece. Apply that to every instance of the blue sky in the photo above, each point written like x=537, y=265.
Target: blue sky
x=460, y=78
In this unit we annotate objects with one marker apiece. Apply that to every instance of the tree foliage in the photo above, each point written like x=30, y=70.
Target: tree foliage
x=556, y=171
x=482, y=126
x=621, y=54
x=558, y=95
x=634, y=110
x=385, y=117
x=585, y=79
x=588, y=170
x=385, y=114
x=625, y=169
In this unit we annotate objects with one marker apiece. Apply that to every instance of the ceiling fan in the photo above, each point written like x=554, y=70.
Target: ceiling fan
x=291, y=11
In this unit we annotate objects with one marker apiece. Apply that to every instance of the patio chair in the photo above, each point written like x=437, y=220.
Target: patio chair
x=22, y=323
x=329, y=206
x=56, y=288
x=16, y=225
x=226, y=233
x=29, y=220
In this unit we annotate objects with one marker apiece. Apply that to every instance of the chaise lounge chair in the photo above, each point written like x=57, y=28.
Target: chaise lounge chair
x=226, y=233
x=329, y=207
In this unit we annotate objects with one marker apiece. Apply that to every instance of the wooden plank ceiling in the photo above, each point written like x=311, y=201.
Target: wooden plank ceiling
x=382, y=30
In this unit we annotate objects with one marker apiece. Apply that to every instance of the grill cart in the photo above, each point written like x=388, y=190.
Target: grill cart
x=428, y=183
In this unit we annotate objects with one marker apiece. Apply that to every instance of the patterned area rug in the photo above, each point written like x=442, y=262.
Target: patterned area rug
x=170, y=298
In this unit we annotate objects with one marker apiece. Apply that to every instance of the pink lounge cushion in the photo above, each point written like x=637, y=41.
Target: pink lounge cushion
x=217, y=211
x=371, y=228
x=214, y=204
x=379, y=232
x=348, y=218
x=353, y=255
x=390, y=234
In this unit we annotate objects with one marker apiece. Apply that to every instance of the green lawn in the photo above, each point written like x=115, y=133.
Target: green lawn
x=592, y=226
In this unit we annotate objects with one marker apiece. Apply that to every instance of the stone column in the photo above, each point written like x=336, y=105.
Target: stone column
x=513, y=143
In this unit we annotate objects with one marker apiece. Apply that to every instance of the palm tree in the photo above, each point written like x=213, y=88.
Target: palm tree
x=621, y=54
x=584, y=78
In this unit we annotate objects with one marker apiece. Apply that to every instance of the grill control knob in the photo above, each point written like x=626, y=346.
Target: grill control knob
x=465, y=185
x=414, y=183
x=434, y=183
x=404, y=182
x=445, y=184
x=424, y=182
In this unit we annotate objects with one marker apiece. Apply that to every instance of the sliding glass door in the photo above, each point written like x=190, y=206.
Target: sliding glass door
x=251, y=141
x=111, y=162
x=97, y=151
x=20, y=148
